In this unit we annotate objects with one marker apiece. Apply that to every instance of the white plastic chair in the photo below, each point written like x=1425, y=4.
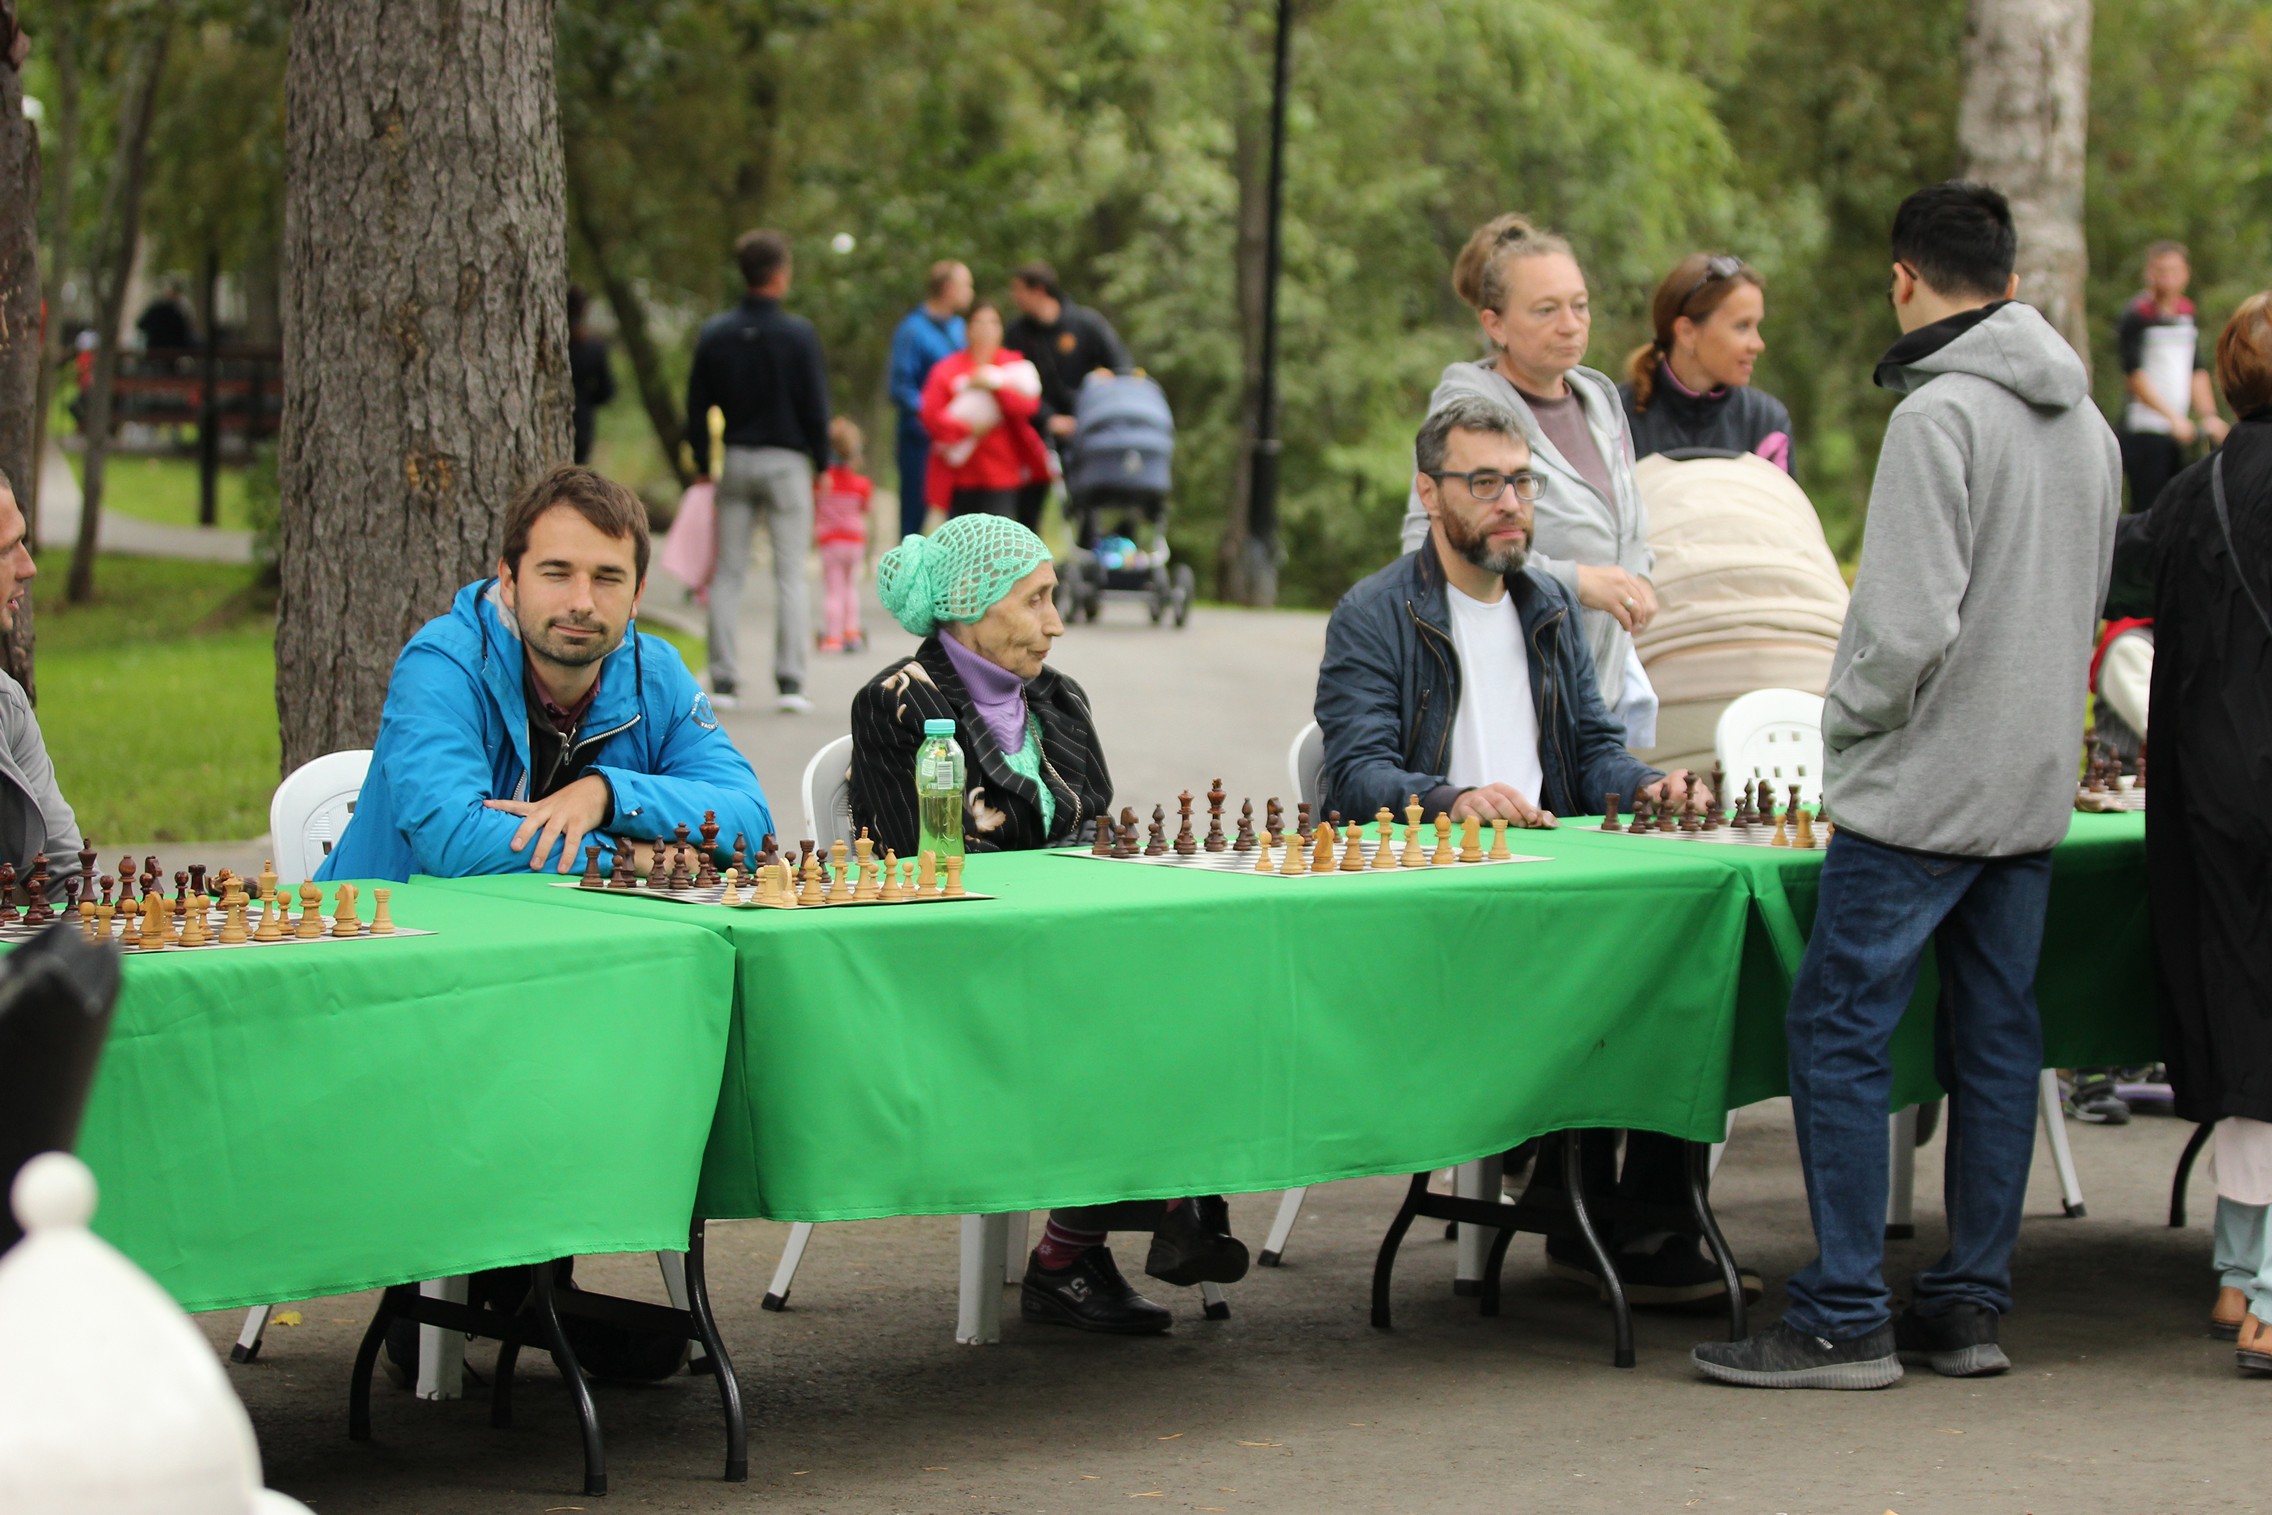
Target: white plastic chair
x=1773, y=734
x=310, y=810
x=1305, y=764
x=827, y=788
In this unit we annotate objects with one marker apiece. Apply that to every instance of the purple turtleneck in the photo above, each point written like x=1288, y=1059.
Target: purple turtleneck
x=999, y=694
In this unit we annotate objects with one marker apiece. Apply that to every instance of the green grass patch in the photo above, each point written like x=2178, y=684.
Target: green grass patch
x=165, y=489
x=158, y=700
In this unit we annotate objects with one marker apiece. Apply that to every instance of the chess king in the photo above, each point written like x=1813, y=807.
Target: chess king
x=1460, y=673
x=535, y=718
x=980, y=591
x=34, y=816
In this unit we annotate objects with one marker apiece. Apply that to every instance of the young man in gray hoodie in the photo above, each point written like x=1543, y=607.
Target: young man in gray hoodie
x=1951, y=730
x=34, y=816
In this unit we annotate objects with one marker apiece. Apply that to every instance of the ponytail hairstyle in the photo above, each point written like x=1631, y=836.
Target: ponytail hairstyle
x=1698, y=285
x=1479, y=273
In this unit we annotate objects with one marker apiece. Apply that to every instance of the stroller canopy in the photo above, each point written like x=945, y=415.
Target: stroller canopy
x=1123, y=439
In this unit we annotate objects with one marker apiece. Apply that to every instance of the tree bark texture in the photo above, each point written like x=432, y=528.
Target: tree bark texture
x=119, y=235
x=1250, y=170
x=60, y=170
x=20, y=334
x=425, y=330
x=2027, y=78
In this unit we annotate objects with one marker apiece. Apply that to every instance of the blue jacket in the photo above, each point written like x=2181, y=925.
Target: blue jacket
x=455, y=732
x=916, y=347
x=1390, y=687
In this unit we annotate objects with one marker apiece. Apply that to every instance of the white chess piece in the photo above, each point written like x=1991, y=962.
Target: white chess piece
x=111, y=1402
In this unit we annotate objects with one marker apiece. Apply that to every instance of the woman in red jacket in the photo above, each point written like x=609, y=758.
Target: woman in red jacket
x=978, y=406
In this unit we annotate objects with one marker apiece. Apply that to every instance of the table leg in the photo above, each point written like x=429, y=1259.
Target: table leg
x=1282, y=1229
x=978, y=1317
x=441, y=1353
x=697, y=1284
x=2062, y=1157
x=1476, y=1180
x=1621, y=1315
x=1014, y=1229
x=2193, y=1146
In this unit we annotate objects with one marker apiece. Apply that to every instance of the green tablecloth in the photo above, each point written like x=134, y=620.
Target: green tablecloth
x=2094, y=984
x=1103, y=1031
x=282, y=1123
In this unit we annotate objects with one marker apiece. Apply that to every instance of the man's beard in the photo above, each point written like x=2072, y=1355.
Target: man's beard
x=1477, y=549
x=569, y=654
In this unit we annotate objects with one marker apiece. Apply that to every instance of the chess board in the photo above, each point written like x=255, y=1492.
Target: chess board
x=1231, y=861
x=2131, y=800
x=1727, y=834
x=714, y=896
x=15, y=932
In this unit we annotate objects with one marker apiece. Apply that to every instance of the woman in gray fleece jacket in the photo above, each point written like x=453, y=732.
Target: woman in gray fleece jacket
x=1590, y=531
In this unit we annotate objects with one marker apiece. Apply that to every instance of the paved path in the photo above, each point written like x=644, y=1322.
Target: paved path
x=59, y=505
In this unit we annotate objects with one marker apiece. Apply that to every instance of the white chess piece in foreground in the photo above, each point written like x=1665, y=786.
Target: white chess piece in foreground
x=111, y=1402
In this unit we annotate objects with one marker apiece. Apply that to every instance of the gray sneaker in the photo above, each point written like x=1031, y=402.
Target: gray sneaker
x=1783, y=1358
x=1959, y=1342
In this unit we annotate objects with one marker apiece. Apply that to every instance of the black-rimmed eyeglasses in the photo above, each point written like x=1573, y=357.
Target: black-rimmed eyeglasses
x=1488, y=484
x=1717, y=267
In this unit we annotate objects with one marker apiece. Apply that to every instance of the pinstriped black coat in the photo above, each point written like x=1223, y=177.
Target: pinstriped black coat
x=1001, y=809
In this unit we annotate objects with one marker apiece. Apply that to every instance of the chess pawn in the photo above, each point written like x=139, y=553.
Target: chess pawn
x=1499, y=852
x=310, y=926
x=732, y=893
x=1262, y=862
x=1384, y=839
x=1442, y=857
x=104, y=913
x=1805, y=830
x=87, y=919
x=620, y=874
x=1471, y=840
x=131, y=937
x=1781, y=837
x=954, y=878
x=891, y=876
x=1353, y=850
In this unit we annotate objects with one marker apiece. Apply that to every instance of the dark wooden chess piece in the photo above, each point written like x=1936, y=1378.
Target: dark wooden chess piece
x=1156, y=843
x=87, y=857
x=591, y=878
x=1274, y=817
x=1125, y=844
x=1185, y=843
x=1609, y=820
x=1103, y=846
x=71, y=898
x=659, y=876
x=107, y=881
x=126, y=878
x=37, y=911
x=1690, y=821
x=622, y=875
x=1304, y=827
x=1245, y=840
x=1791, y=813
x=709, y=832
x=707, y=874
x=1215, y=800
x=197, y=878
x=740, y=856
x=679, y=877
x=7, y=894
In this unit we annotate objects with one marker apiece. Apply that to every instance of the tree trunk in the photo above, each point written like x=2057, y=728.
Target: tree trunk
x=62, y=50
x=2027, y=77
x=425, y=330
x=120, y=235
x=20, y=335
x=1250, y=170
x=630, y=312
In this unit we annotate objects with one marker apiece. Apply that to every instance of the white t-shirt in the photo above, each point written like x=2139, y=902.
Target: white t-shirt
x=2168, y=350
x=1495, y=732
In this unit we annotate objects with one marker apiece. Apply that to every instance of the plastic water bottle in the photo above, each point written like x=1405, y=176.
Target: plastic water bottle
x=938, y=790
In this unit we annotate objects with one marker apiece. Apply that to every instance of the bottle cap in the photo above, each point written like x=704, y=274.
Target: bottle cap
x=938, y=727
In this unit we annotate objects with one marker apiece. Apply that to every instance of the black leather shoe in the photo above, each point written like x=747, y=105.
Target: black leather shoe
x=1194, y=1245
x=1089, y=1295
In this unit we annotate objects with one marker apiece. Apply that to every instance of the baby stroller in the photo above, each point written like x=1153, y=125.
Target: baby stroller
x=1116, y=493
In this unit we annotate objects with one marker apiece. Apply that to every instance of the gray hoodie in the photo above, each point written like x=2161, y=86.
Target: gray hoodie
x=1954, y=719
x=1571, y=523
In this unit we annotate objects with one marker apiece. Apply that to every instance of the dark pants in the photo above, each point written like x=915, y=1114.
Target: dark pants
x=982, y=502
x=2150, y=459
x=911, y=444
x=1879, y=908
x=1649, y=1198
x=1031, y=499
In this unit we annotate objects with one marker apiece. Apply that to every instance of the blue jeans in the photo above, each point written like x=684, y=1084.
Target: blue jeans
x=911, y=446
x=1879, y=907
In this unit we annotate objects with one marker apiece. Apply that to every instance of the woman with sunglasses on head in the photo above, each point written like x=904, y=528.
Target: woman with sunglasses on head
x=1691, y=386
x=1589, y=529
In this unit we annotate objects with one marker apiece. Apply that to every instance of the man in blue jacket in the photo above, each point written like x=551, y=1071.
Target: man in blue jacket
x=533, y=719
x=928, y=333
x=1459, y=674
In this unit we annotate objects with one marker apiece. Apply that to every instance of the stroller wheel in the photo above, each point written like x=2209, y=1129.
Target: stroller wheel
x=1068, y=591
x=1159, y=604
x=1179, y=598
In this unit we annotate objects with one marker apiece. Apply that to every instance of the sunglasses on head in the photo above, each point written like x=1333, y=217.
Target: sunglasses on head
x=1717, y=267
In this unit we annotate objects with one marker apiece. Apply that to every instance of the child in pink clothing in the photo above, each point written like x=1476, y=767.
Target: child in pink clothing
x=840, y=527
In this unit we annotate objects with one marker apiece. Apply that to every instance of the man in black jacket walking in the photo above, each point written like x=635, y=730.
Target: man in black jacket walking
x=1067, y=343
x=762, y=368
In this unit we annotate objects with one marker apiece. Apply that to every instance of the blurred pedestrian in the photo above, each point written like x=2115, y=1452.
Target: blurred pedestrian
x=1067, y=343
x=978, y=406
x=762, y=367
x=2200, y=563
x=2165, y=376
x=590, y=378
x=926, y=334
x=840, y=526
x=1691, y=385
x=165, y=322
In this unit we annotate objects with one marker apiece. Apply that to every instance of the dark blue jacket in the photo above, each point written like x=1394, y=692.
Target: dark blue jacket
x=455, y=732
x=916, y=348
x=1390, y=687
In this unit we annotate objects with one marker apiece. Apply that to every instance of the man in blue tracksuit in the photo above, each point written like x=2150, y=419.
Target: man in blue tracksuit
x=535, y=717
x=928, y=333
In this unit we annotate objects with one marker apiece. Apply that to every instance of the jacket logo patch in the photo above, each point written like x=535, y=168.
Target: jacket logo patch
x=1065, y=341
x=704, y=716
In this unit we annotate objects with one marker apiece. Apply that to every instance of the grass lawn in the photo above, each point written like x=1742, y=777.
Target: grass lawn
x=164, y=489
x=158, y=701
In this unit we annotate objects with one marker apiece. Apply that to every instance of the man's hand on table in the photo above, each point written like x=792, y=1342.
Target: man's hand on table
x=561, y=817
x=1498, y=802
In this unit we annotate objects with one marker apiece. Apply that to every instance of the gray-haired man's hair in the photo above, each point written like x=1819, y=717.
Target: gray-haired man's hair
x=1462, y=413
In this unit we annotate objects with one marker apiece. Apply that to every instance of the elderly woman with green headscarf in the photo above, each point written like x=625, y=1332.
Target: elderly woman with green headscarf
x=980, y=591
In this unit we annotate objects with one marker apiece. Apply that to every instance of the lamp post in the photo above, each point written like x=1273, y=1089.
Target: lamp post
x=1262, y=495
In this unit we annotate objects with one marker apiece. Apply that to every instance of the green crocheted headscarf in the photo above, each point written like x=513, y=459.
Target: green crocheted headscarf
x=958, y=572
